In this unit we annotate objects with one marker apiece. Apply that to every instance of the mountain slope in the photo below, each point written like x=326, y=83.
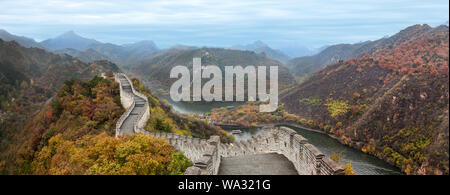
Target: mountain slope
x=127, y=54
x=295, y=50
x=29, y=76
x=139, y=51
x=261, y=48
x=74, y=134
x=305, y=66
x=392, y=103
x=90, y=50
x=68, y=40
x=48, y=71
x=159, y=66
x=45, y=70
x=87, y=56
x=24, y=41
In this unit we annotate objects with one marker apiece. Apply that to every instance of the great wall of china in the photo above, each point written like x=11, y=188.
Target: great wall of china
x=207, y=154
x=136, y=105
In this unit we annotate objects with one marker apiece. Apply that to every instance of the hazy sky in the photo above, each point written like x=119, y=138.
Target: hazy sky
x=220, y=23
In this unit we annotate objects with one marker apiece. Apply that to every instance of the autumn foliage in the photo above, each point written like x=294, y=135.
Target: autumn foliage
x=101, y=154
x=74, y=134
x=425, y=55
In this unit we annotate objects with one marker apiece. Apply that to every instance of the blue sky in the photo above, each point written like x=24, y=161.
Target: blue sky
x=221, y=23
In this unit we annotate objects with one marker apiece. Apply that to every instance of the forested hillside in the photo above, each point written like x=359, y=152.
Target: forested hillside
x=158, y=67
x=55, y=120
x=163, y=119
x=392, y=103
x=74, y=134
x=24, y=41
x=29, y=76
x=306, y=66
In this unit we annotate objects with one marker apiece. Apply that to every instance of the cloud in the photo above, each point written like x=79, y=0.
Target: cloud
x=229, y=22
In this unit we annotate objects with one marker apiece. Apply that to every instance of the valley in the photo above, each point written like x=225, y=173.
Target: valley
x=380, y=106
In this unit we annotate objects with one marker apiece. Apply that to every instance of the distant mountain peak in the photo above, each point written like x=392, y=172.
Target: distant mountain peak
x=252, y=46
x=147, y=44
x=262, y=48
x=259, y=43
x=182, y=47
x=69, y=34
x=68, y=39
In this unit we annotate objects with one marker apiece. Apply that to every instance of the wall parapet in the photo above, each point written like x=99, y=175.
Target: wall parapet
x=128, y=102
x=205, y=154
x=306, y=158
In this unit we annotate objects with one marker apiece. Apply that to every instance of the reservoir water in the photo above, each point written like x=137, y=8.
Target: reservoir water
x=362, y=163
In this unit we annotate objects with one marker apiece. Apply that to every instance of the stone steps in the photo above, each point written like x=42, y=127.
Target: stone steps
x=139, y=105
x=260, y=164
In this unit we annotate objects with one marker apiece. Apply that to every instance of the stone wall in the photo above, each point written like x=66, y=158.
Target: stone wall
x=307, y=159
x=206, y=154
x=203, y=153
x=126, y=99
x=144, y=114
x=128, y=102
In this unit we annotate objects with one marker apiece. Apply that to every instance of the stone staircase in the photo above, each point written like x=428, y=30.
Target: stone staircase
x=137, y=113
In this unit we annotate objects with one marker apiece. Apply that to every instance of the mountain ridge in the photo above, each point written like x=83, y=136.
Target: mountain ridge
x=305, y=66
x=22, y=40
x=66, y=40
x=262, y=48
x=157, y=68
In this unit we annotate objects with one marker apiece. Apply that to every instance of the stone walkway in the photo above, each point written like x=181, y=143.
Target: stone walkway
x=128, y=125
x=259, y=164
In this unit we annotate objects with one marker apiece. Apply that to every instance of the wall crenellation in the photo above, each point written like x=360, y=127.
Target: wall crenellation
x=307, y=159
x=204, y=153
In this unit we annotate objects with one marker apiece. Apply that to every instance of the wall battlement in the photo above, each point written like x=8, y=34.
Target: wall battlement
x=307, y=159
x=206, y=154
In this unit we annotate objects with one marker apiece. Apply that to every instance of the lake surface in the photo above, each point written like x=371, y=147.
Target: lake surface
x=188, y=107
x=198, y=108
x=363, y=164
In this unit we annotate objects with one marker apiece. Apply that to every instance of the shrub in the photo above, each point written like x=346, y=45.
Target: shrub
x=337, y=108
